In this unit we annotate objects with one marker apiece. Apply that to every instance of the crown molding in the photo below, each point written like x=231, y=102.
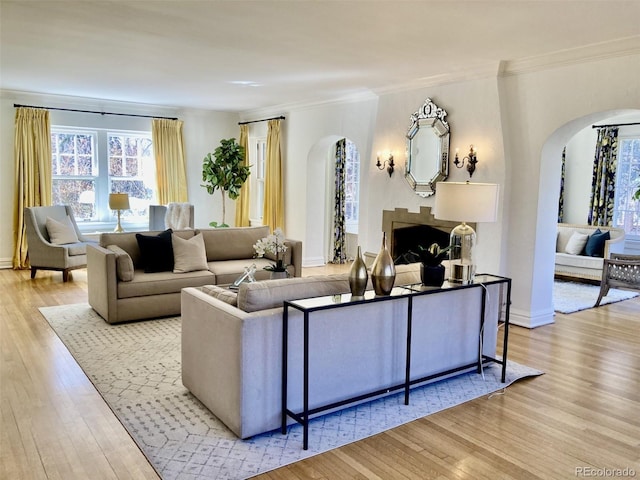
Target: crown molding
x=587, y=53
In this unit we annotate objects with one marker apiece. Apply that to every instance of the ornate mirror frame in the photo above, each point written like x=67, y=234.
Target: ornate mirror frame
x=424, y=169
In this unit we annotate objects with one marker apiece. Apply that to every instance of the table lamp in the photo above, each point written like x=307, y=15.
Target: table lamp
x=465, y=202
x=119, y=202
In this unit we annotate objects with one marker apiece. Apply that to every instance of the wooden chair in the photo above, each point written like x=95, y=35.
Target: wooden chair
x=619, y=271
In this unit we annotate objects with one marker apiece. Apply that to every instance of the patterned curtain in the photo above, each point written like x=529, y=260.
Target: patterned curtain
x=171, y=171
x=339, y=233
x=561, y=199
x=603, y=185
x=33, y=181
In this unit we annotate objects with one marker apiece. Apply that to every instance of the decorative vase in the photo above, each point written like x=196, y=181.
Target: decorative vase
x=432, y=276
x=383, y=271
x=277, y=275
x=358, y=277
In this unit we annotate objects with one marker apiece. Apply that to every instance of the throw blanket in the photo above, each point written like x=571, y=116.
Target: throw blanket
x=178, y=216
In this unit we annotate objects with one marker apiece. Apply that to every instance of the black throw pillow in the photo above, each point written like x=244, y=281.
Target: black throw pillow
x=595, y=244
x=156, y=251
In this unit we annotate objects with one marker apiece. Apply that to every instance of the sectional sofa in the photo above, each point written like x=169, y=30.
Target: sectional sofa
x=126, y=283
x=232, y=344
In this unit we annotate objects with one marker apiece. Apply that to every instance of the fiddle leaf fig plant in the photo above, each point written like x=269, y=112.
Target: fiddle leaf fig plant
x=224, y=170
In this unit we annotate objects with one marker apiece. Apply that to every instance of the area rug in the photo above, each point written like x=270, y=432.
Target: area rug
x=136, y=369
x=569, y=297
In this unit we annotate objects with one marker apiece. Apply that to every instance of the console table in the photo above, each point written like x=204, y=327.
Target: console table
x=414, y=307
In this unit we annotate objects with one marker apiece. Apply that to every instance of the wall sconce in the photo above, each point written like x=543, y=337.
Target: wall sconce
x=388, y=164
x=471, y=160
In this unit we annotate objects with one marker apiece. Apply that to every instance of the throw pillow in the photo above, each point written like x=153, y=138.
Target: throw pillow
x=576, y=243
x=188, y=255
x=220, y=293
x=595, y=244
x=156, y=251
x=124, y=264
x=61, y=233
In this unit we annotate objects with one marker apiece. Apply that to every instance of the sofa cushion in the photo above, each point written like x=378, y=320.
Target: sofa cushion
x=595, y=243
x=581, y=261
x=74, y=249
x=232, y=243
x=272, y=293
x=61, y=232
x=576, y=244
x=160, y=283
x=188, y=255
x=124, y=264
x=220, y=293
x=156, y=251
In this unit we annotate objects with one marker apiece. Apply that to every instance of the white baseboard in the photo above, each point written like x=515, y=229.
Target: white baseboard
x=313, y=262
x=526, y=319
x=6, y=263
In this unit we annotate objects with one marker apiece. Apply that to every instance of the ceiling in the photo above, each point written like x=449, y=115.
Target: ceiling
x=249, y=55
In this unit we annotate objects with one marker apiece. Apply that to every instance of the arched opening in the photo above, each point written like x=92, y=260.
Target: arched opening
x=548, y=195
x=320, y=191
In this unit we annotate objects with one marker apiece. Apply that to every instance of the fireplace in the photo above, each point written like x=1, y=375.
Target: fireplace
x=407, y=230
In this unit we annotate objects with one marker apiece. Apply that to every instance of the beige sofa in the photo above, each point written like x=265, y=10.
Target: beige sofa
x=119, y=295
x=232, y=345
x=581, y=265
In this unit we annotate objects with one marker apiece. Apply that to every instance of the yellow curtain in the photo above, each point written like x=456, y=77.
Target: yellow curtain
x=273, y=214
x=171, y=172
x=32, y=154
x=242, y=203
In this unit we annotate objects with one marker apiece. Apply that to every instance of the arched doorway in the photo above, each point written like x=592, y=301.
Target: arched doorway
x=548, y=195
x=320, y=193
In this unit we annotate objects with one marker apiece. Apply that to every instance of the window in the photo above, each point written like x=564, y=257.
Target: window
x=87, y=165
x=626, y=214
x=352, y=187
x=257, y=160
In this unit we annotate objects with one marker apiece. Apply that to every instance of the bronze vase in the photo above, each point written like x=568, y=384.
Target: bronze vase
x=358, y=277
x=383, y=271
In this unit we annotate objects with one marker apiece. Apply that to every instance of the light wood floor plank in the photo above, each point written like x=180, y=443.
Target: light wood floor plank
x=583, y=412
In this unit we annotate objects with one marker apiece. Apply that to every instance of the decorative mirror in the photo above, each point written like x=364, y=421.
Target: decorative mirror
x=427, y=149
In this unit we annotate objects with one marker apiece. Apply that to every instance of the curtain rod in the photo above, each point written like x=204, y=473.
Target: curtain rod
x=615, y=125
x=263, y=120
x=92, y=111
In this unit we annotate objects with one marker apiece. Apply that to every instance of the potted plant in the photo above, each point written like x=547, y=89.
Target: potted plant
x=224, y=169
x=273, y=244
x=431, y=268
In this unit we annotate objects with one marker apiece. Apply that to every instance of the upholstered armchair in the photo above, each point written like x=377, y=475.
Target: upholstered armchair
x=67, y=250
x=619, y=271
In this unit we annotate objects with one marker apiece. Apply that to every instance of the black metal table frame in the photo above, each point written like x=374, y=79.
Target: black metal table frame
x=304, y=417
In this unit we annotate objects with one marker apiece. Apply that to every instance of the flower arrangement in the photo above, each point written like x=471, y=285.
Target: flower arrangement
x=273, y=244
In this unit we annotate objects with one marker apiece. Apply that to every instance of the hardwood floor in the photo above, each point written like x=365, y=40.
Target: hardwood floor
x=582, y=415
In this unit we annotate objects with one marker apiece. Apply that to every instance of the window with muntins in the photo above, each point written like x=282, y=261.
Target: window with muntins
x=626, y=214
x=88, y=164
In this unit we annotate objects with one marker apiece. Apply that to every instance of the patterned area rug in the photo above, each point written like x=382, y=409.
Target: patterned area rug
x=569, y=297
x=136, y=368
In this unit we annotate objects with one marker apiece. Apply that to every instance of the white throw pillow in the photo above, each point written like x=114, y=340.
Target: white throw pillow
x=576, y=243
x=62, y=232
x=188, y=255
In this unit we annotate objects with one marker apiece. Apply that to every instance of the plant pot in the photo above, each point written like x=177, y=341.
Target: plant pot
x=277, y=275
x=432, y=276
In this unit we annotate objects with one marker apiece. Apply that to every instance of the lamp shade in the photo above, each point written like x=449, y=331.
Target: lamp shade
x=466, y=202
x=119, y=201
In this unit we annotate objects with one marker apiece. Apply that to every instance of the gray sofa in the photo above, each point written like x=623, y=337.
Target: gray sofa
x=120, y=290
x=232, y=344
